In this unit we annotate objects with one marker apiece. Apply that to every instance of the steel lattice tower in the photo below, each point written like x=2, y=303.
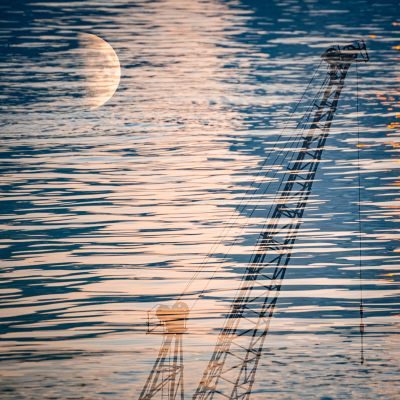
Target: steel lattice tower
x=231, y=371
x=166, y=376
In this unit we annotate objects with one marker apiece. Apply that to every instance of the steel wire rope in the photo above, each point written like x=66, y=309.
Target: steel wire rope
x=293, y=143
x=362, y=326
x=304, y=122
x=237, y=212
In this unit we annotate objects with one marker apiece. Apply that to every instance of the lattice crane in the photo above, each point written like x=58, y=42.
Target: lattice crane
x=231, y=371
x=166, y=376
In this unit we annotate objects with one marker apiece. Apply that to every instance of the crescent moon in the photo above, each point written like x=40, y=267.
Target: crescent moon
x=101, y=70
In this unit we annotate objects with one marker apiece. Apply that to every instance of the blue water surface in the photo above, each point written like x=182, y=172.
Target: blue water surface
x=108, y=212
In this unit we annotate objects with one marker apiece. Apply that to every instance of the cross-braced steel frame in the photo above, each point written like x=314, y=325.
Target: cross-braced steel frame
x=166, y=376
x=231, y=371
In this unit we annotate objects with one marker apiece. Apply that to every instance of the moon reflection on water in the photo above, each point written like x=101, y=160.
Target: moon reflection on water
x=100, y=69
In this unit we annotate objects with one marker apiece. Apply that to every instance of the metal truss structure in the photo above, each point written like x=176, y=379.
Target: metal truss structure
x=166, y=376
x=230, y=374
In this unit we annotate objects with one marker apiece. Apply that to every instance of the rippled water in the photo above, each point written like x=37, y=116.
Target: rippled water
x=107, y=213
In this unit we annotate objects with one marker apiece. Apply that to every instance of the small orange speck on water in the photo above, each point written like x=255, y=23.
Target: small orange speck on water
x=361, y=145
x=396, y=145
x=396, y=47
x=397, y=115
x=372, y=36
x=394, y=125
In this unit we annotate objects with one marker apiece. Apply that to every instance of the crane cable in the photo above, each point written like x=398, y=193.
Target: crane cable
x=242, y=206
x=362, y=325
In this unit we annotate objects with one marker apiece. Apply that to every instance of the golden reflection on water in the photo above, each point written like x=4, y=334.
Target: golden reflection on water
x=114, y=211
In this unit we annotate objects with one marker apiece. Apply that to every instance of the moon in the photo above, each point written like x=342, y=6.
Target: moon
x=101, y=70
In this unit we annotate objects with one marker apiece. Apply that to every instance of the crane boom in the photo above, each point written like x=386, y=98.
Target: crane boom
x=231, y=371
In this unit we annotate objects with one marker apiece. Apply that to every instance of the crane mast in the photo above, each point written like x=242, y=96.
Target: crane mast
x=231, y=371
x=166, y=376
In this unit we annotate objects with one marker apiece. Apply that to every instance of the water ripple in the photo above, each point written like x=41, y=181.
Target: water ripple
x=107, y=213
